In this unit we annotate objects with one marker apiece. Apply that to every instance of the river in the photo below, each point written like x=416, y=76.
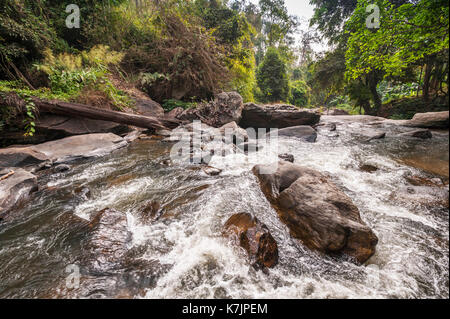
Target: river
x=183, y=255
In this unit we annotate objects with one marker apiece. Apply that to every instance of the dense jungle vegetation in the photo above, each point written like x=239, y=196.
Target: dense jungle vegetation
x=180, y=52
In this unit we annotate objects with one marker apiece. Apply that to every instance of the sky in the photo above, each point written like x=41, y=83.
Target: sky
x=304, y=11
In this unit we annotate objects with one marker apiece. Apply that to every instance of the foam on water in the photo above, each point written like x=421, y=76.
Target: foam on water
x=412, y=253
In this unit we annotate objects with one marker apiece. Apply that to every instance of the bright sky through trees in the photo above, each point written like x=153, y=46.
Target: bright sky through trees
x=304, y=11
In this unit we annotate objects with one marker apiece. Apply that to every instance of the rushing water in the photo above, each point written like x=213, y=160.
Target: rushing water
x=183, y=255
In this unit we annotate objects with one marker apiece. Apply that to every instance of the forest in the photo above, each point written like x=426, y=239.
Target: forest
x=181, y=52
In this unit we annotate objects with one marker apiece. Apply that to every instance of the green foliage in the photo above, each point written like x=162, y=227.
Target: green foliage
x=300, y=93
x=169, y=105
x=69, y=73
x=407, y=34
x=24, y=33
x=272, y=78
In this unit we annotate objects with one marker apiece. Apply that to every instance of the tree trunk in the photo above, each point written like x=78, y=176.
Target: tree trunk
x=426, y=81
x=80, y=110
x=373, y=82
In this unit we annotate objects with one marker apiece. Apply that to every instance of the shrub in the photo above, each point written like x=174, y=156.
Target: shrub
x=299, y=93
x=272, y=77
x=69, y=73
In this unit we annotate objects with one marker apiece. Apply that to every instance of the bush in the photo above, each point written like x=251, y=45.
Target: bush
x=69, y=73
x=169, y=105
x=299, y=93
x=272, y=77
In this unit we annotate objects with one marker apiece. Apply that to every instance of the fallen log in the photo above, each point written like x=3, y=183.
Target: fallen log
x=11, y=173
x=81, y=110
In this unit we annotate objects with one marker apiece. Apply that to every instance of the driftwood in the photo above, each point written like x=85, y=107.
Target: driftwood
x=80, y=110
x=7, y=175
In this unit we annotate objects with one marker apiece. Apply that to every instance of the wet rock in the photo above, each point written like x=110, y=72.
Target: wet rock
x=57, y=126
x=423, y=181
x=423, y=134
x=164, y=133
x=249, y=147
x=428, y=163
x=133, y=135
x=211, y=171
x=175, y=113
x=236, y=133
x=371, y=135
x=364, y=119
x=430, y=120
x=83, y=192
x=260, y=116
x=287, y=157
x=317, y=211
x=337, y=112
x=226, y=107
x=148, y=107
x=303, y=132
x=16, y=185
x=368, y=168
x=254, y=237
x=108, y=241
x=21, y=157
x=151, y=212
x=80, y=147
x=61, y=168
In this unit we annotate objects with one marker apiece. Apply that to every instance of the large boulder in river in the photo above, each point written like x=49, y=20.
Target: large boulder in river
x=80, y=147
x=430, y=120
x=107, y=244
x=56, y=126
x=21, y=157
x=276, y=116
x=226, y=107
x=16, y=184
x=317, y=211
x=254, y=237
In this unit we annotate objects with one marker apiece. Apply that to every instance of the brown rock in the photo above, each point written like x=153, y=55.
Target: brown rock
x=430, y=120
x=56, y=126
x=317, y=212
x=149, y=107
x=107, y=245
x=175, y=113
x=254, y=237
x=226, y=108
x=17, y=187
x=423, y=134
x=276, y=116
x=151, y=212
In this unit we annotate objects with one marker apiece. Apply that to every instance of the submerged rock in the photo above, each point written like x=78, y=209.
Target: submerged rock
x=254, y=237
x=151, y=212
x=277, y=116
x=211, y=171
x=287, y=157
x=61, y=168
x=317, y=212
x=303, y=132
x=423, y=134
x=368, y=168
x=108, y=242
x=16, y=185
